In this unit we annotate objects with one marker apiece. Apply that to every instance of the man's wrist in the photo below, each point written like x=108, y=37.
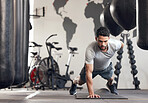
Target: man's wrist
x=91, y=93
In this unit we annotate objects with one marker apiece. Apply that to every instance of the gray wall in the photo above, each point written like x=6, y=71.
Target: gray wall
x=75, y=22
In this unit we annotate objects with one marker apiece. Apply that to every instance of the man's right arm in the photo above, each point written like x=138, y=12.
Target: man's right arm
x=89, y=81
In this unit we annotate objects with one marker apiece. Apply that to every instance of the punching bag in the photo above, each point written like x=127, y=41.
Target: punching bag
x=124, y=13
x=19, y=36
x=142, y=24
x=107, y=21
x=26, y=39
x=7, y=59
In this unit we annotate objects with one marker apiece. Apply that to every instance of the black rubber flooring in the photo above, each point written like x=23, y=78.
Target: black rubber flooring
x=103, y=92
x=23, y=95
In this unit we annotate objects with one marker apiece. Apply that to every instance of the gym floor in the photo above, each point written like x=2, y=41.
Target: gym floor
x=26, y=95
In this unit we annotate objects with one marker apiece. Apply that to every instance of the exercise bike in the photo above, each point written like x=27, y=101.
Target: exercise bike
x=36, y=58
x=54, y=79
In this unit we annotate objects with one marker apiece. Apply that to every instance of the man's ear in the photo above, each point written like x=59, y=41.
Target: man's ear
x=109, y=38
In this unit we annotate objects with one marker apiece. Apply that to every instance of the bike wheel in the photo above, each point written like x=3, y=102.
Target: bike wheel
x=37, y=75
x=33, y=76
x=46, y=64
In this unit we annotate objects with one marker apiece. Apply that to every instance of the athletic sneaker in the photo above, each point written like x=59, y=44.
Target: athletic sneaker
x=72, y=90
x=112, y=88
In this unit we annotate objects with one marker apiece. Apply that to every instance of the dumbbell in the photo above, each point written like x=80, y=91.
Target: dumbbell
x=129, y=42
x=134, y=72
x=132, y=61
x=119, y=57
x=136, y=81
x=133, y=67
x=131, y=52
x=130, y=47
x=118, y=66
x=120, y=51
x=117, y=71
x=132, y=56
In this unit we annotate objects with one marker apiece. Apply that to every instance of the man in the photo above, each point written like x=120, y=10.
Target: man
x=98, y=62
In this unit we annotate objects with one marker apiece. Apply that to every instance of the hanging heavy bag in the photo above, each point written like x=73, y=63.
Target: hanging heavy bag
x=124, y=13
x=19, y=45
x=107, y=21
x=7, y=50
x=26, y=40
x=143, y=24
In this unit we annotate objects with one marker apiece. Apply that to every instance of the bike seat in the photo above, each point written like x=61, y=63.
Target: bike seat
x=73, y=48
x=36, y=45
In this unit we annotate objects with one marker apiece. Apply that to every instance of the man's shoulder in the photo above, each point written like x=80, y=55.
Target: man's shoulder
x=114, y=41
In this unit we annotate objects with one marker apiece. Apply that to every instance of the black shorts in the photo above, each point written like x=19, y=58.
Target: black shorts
x=106, y=73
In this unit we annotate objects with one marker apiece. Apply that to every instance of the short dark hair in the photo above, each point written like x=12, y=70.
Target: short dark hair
x=102, y=31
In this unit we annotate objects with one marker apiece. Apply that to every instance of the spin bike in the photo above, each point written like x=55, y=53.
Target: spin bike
x=54, y=79
x=36, y=58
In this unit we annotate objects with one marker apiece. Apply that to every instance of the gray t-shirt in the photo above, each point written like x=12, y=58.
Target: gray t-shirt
x=101, y=60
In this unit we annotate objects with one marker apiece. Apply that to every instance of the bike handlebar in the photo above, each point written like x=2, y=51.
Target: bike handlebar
x=51, y=44
x=51, y=36
x=35, y=44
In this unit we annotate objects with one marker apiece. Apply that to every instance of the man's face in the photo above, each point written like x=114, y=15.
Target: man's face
x=102, y=42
